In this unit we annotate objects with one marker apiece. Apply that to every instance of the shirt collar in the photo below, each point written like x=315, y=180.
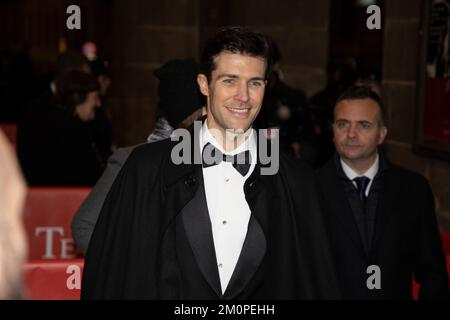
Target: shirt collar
x=370, y=173
x=249, y=144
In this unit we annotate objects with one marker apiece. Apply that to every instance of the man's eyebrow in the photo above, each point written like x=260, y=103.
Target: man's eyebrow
x=234, y=76
x=257, y=78
x=227, y=75
x=358, y=121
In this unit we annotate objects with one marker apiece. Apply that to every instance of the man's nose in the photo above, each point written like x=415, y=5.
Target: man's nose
x=351, y=131
x=242, y=93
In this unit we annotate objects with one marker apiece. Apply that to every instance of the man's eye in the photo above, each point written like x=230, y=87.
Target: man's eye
x=256, y=83
x=229, y=81
x=341, y=124
x=364, y=125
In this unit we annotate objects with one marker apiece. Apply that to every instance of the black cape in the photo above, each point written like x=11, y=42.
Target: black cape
x=132, y=250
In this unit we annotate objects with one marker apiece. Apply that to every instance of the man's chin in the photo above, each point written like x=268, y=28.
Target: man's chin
x=352, y=156
x=238, y=128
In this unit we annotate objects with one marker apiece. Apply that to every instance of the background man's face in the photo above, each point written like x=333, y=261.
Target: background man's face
x=357, y=129
x=235, y=92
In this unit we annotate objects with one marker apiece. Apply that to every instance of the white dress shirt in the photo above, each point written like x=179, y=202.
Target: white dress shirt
x=370, y=173
x=228, y=209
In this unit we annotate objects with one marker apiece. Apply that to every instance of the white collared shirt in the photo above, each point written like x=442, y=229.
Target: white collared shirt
x=371, y=173
x=228, y=209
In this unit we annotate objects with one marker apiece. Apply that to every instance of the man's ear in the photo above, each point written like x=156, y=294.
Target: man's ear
x=203, y=84
x=383, y=134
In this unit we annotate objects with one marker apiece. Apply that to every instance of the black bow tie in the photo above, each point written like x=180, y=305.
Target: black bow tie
x=240, y=161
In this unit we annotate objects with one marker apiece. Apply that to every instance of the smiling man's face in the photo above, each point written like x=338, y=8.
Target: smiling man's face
x=235, y=92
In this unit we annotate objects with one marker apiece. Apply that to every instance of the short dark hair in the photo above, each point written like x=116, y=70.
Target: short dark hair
x=362, y=92
x=73, y=88
x=235, y=40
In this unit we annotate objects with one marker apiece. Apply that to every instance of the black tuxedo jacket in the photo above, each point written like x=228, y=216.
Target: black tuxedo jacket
x=153, y=238
x=405, y=240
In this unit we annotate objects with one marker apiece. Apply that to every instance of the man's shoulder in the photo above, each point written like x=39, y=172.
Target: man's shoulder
x=406, y=176
x=328, y=169
x=149, y=152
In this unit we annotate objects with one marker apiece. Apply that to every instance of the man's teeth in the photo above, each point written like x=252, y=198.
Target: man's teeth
x=239, y=110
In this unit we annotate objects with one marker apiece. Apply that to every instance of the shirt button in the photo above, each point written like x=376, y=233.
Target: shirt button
x=220, y=265
x=227, y=179
x=224, y=222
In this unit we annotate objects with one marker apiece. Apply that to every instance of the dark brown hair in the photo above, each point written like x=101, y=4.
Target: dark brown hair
x=72, y=89
x=234, y=40
x=362, y=92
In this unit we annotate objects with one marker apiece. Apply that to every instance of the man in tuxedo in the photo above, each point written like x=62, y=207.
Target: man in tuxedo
x=213, y=230
x=381, y=217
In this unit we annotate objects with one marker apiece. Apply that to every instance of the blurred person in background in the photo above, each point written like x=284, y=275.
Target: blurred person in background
x=370, y=80
x=55, y=145
x=339, y=78
x=101, y=128
x=13, y=246
x=284, y=108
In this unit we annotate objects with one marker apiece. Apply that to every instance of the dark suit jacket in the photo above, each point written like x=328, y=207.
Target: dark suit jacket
x=153, y=238
x=405, y=241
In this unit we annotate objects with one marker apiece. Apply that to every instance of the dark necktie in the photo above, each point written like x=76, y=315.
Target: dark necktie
x=362, y=183
x=240, y=161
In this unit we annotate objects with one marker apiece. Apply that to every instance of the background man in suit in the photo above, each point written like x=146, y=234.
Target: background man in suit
x=224, y=230
x=379, y=214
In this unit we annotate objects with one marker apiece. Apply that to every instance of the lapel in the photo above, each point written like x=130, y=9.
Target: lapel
x=339, y=205
x=386, y=199
x=181, y=181
x=184, y=194
x=197, y=225
x=356, y=207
